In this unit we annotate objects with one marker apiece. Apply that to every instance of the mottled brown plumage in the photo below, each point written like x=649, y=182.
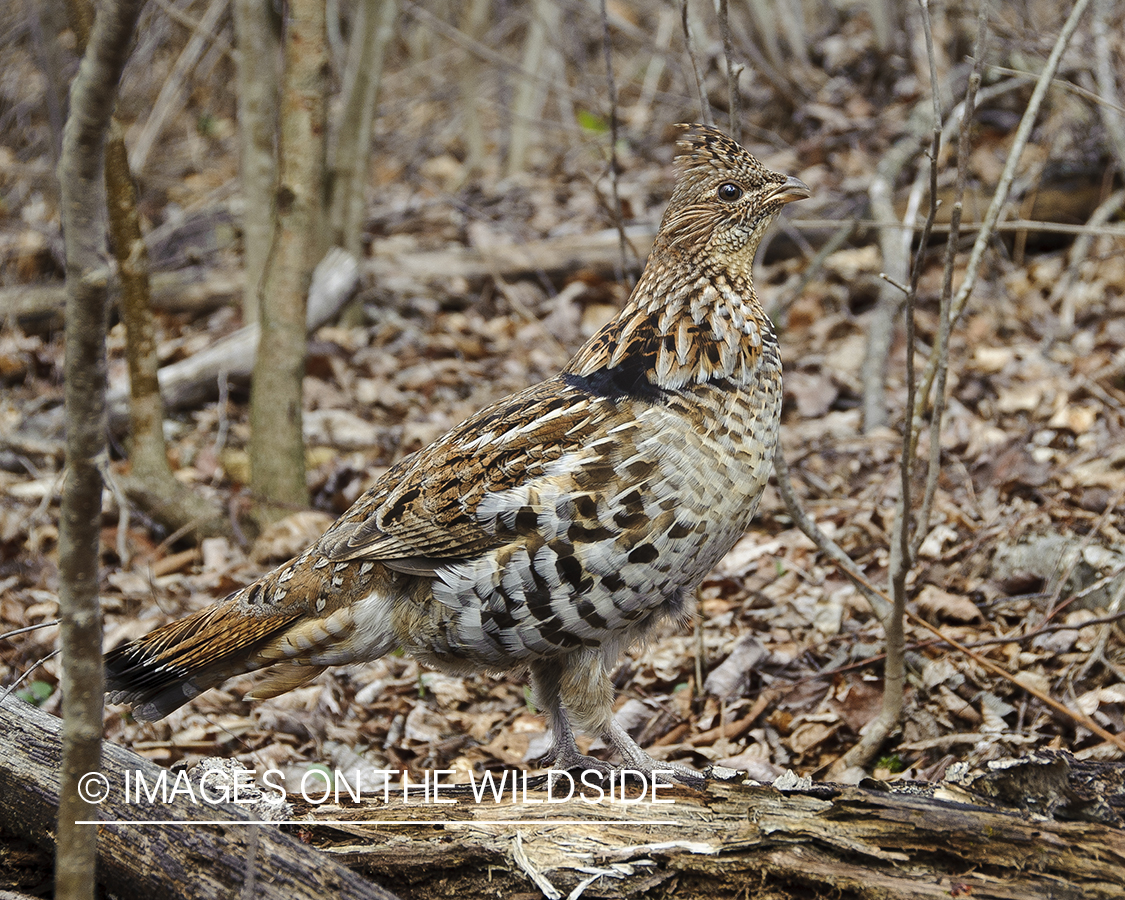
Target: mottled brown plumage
x=555, y=527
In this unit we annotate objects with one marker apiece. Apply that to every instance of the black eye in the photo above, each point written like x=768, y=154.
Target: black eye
x=729, y=192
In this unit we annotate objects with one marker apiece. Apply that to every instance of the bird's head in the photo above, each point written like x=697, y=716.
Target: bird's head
x=724, y=200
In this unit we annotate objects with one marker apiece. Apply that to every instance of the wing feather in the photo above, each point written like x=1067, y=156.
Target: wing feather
x=423, y=512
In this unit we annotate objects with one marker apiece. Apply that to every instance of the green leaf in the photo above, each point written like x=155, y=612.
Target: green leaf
x=323, y=770
x=592, y=121
x=892, y=763
x=36, y=692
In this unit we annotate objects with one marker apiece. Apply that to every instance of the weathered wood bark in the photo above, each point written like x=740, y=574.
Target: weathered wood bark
x=163, y=860
x=827, y=841
x=1034, y=829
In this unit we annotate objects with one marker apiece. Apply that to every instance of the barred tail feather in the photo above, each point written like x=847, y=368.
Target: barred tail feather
x=162, y=671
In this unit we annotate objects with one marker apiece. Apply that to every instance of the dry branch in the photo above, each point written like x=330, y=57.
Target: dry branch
x=598, y=252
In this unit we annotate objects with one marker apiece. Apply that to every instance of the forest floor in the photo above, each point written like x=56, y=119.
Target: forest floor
x=1022, y=559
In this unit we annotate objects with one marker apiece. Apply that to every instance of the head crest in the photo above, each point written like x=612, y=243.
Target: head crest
x=705, y=150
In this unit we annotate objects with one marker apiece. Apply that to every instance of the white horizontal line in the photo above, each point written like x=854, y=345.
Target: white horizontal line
x=538, y=823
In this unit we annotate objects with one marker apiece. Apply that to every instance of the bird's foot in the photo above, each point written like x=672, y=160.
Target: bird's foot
x=655, y=768
x=569, y=759
x=635, y=762
x=636, y=759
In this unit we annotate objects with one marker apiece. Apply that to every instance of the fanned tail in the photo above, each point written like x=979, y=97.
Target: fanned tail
x=162, y=671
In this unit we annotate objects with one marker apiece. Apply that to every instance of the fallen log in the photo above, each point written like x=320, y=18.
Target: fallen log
x=1047, y=826
x=170, y=858
x=825, y=840
x=195, y=380
x=598, y=252
x=38, y=308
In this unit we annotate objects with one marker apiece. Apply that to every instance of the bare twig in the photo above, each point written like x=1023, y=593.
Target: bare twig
x=940, y=350
x=611, y=86
x=901, y=558
x=778, y=80
x=1074, y=555
x=922, y=525
x=1098, y=654
x=25, y=630
x=734, y=97
x=1062, y=294
x=689, y=45
x=1019, y=141
x=1034, y=225
x=194, y=26
x=482, y=50
x=1079, y=717
x=557, y=350
x=1064, y=84
x=174, y=90
x=988, y=226
x=23, y=676
x=879, y=603
x=781, y=305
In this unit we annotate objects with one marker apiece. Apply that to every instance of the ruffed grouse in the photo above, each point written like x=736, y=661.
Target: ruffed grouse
x=557, y=526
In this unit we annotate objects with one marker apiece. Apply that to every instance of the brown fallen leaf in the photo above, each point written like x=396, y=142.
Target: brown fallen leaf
x=941, y=605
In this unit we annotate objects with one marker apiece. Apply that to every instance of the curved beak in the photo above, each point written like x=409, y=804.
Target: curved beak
x=791, y=189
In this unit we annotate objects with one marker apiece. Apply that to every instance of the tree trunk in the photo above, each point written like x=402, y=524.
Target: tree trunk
x=277, y=456
x=374, y=27
x=259, y=57
x=150, y=482
x=81, y=173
